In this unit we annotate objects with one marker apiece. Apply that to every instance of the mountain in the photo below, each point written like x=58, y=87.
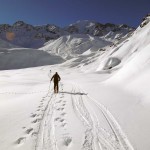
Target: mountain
x=73, y=45
x=108, y=30
x=6, y=45
x=26, y=35
x=87, y=35
x=29, y=36
x=117, y=56
x=133, y=52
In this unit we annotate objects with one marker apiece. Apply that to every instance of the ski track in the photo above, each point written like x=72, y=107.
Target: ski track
x=46, y=137
x=96, y=136
x=101, y=138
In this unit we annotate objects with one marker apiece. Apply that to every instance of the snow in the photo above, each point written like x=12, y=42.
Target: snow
x=108, y=30
x=83, y=25
x=74, y=45
x=4, y=44
x=17, y=58
x=40, y=119
x=103, y=100
x=29, y=36
x=111, y=63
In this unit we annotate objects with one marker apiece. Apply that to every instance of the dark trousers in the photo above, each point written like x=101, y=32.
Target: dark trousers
x=56, y=88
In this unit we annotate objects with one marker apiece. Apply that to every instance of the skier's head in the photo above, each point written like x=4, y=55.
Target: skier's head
x=56, y=73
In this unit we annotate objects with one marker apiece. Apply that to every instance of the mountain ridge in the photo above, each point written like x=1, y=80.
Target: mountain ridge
x=34, y=36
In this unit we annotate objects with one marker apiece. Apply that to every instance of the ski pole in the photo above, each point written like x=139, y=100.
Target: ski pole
x=49, y=75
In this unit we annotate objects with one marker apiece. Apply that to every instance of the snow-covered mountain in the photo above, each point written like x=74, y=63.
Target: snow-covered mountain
x=114, y=56
x=6, y=45
x=134, y=49
x=69, y=46
x=15, y=57
x=108, y=30
x=29, y=36
x=26, y=35
x=87, y=35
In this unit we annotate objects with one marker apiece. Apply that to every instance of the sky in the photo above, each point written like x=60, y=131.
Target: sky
x=65, y=12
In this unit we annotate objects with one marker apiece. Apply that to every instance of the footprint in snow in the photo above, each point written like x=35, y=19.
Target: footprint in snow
x=63, y=104
x=33, y=115
x=63, y=114
x=56, y=119
x=60, y=109
x=34, y=134
x=29, y=130
x=58, y=101
x=64, y=124
x=67, y=141
x=62, y=120
x=35, y=121
x=20, y=140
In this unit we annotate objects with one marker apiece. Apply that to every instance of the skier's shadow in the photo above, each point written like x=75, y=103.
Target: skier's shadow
x=77, y=93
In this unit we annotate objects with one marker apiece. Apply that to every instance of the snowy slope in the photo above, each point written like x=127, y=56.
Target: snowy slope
x=6, y=45
x=131, y=74
x=17, y=58
x=33, y=117
x=74, y=45
x=87, y=36
x=133, y=54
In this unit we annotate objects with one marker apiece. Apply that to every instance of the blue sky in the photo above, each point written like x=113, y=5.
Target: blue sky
x=64, y=12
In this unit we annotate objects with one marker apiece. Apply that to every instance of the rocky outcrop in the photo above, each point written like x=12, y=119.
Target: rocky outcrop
x=145, y=20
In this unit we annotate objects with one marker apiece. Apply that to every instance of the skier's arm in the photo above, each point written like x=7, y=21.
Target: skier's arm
x=59, y=77
x=52, y=78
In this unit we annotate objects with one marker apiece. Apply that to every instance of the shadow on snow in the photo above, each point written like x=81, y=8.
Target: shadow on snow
x=77, y=93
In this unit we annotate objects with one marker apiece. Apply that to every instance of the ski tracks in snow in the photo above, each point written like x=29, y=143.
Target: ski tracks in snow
x=53, y=116
x=100, y=131
x=46, y=136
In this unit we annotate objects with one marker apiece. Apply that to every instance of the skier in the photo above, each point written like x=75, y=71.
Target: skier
x=56, y=78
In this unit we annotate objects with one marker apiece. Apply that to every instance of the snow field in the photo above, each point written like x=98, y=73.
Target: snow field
x=42, y=120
